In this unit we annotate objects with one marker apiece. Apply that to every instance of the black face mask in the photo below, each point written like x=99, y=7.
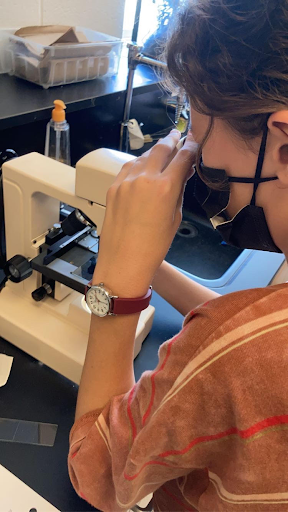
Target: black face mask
x=248, y=229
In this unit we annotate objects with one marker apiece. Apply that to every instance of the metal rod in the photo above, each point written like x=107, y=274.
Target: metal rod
x=123, y=146
x=142, y=59
x=136, y=21
x=134, y=58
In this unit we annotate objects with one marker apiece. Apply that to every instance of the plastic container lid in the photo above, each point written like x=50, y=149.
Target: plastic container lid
x=58, y=113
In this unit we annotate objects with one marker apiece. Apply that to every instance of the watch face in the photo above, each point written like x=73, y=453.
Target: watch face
x=98, y=301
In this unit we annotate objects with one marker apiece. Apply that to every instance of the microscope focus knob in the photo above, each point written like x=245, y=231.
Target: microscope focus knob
x=6, y=155
x=41, y=292
x=18, y=268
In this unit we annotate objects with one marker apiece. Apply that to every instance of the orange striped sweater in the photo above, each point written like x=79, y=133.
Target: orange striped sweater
x=207, y=430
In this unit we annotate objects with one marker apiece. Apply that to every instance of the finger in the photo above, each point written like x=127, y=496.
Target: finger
x=161, y=154
x=181, y=143
x=131, y=166
x=181, y=195
x=125, y=170
x=155, y=159
x=143, y=163
x=180, y=169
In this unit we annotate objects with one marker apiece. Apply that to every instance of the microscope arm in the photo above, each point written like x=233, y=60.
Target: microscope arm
x=34, y=186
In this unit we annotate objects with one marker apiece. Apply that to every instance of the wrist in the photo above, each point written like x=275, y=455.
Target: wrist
x=127, y=287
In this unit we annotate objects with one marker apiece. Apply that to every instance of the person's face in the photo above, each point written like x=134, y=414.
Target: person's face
x=225, y=150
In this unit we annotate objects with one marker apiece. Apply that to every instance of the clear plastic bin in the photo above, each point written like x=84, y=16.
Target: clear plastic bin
x=64, y=63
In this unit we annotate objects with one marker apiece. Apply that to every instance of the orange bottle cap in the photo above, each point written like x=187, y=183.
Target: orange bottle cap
x=58, y=113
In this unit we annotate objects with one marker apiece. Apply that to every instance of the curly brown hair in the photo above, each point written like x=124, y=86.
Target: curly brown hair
x=231, y=58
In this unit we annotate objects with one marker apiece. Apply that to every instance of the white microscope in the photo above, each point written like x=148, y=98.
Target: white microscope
x=42, y=307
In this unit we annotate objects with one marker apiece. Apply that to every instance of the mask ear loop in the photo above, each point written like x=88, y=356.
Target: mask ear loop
x=260, y=163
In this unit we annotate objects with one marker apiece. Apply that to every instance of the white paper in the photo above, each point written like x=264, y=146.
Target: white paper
x=15, y=496
x=5, y=368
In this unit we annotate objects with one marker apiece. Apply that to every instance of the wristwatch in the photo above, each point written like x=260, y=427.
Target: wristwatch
x=101, y=302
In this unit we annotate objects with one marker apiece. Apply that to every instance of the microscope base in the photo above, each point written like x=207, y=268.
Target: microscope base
x=55, y=333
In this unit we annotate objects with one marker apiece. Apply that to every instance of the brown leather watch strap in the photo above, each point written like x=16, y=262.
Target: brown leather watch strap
x=130, y=306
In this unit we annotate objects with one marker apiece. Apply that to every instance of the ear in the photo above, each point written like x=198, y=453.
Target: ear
x=278, y=128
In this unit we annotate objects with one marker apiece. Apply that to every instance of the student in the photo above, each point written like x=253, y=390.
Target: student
x=208, y=429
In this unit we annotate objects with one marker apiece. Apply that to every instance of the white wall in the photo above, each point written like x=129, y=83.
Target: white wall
x=102, y=15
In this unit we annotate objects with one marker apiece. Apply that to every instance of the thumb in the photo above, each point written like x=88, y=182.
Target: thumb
x=179, y=204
